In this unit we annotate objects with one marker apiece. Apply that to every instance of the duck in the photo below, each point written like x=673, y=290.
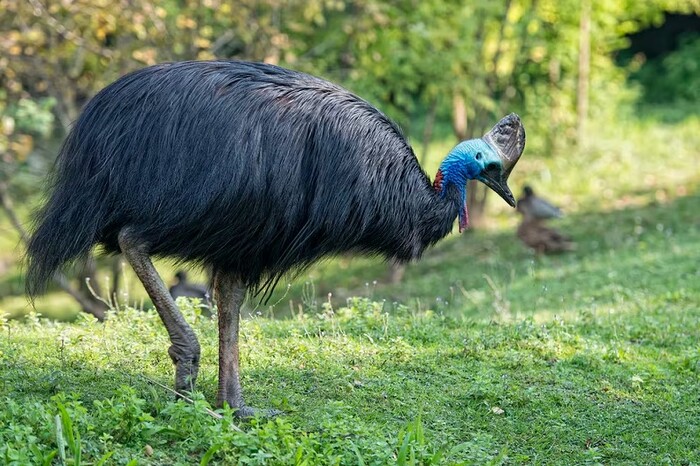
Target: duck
x=533, y=232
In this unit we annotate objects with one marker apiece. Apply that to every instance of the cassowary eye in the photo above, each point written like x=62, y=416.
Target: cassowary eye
x=478, y=156
x=492, y=167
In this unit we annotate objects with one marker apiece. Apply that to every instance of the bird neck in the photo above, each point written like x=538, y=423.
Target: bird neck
x=452, y=177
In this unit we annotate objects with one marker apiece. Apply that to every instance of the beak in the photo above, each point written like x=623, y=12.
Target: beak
x=496, y=180
x=508, y=139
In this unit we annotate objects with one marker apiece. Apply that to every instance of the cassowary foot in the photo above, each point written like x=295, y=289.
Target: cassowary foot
x=247, y=412
x=234, y=399
x=186, y=362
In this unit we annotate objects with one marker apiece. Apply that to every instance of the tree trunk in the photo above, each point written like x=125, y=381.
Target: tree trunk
x=555, y=116
x=396, y=272
x=88, y=270
x=584, y=66
x=428, y=131
x=492, y=78
x=9, y=209
x=117, y=270
x=459, y=116
x=476, y=192
x=90, y=306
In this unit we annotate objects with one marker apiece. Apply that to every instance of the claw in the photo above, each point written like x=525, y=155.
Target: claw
x=247, y=412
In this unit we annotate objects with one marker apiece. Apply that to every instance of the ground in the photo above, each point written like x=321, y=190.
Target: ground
x=485, y=354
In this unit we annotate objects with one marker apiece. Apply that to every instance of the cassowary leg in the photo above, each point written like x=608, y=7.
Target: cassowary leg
x=185, y=350
x=229, y=293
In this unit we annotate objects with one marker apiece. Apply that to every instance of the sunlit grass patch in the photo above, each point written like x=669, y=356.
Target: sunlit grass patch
x=484, y=353
x=352, y=379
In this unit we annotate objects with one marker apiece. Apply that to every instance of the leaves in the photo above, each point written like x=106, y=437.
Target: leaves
x=501, y=56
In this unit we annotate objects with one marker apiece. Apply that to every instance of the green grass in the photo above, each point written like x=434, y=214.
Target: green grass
x=633, y=163
x=614, y=381
x=485, y=354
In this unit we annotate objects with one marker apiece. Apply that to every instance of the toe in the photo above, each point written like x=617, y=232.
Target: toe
x=248, y=412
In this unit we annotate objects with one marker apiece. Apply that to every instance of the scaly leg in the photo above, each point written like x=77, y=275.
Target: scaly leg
x=185, y=350
x=229, y=293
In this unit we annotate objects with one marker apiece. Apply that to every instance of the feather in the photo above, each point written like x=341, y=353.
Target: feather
x=248, y=168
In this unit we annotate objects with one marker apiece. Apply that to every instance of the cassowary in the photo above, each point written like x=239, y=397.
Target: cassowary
x=533, y=232
x=252, y=170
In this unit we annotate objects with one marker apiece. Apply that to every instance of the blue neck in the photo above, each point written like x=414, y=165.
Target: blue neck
x=458, y=167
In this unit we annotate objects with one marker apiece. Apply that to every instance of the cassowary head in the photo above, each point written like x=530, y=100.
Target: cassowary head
x=489, y=159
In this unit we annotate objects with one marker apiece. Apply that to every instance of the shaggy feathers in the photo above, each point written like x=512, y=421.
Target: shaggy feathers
x=249, y=168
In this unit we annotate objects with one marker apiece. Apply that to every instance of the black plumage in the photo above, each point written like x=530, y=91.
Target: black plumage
x=250, y=168
x=252, y=171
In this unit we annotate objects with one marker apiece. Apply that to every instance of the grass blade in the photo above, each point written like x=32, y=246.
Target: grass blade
x=209, y=454
x=104, y=458
x=60, y=441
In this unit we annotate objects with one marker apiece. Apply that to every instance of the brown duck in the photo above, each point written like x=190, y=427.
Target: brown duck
x=532, y=230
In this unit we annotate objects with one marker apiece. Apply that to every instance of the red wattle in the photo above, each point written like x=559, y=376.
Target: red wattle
x=464, y=219
x=437, y=183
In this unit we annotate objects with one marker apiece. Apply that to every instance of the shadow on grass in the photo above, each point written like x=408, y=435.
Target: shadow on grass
x=533, y=389
x=652, y=246
x=628, y=248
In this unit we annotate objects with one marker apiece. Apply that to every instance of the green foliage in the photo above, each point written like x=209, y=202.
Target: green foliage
x=33, y=116
x=500, y=56
x=680, y=72
x=21, y=122
x=516, y=55
x=412, y=448
x=580, y=359
x=485, y=354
